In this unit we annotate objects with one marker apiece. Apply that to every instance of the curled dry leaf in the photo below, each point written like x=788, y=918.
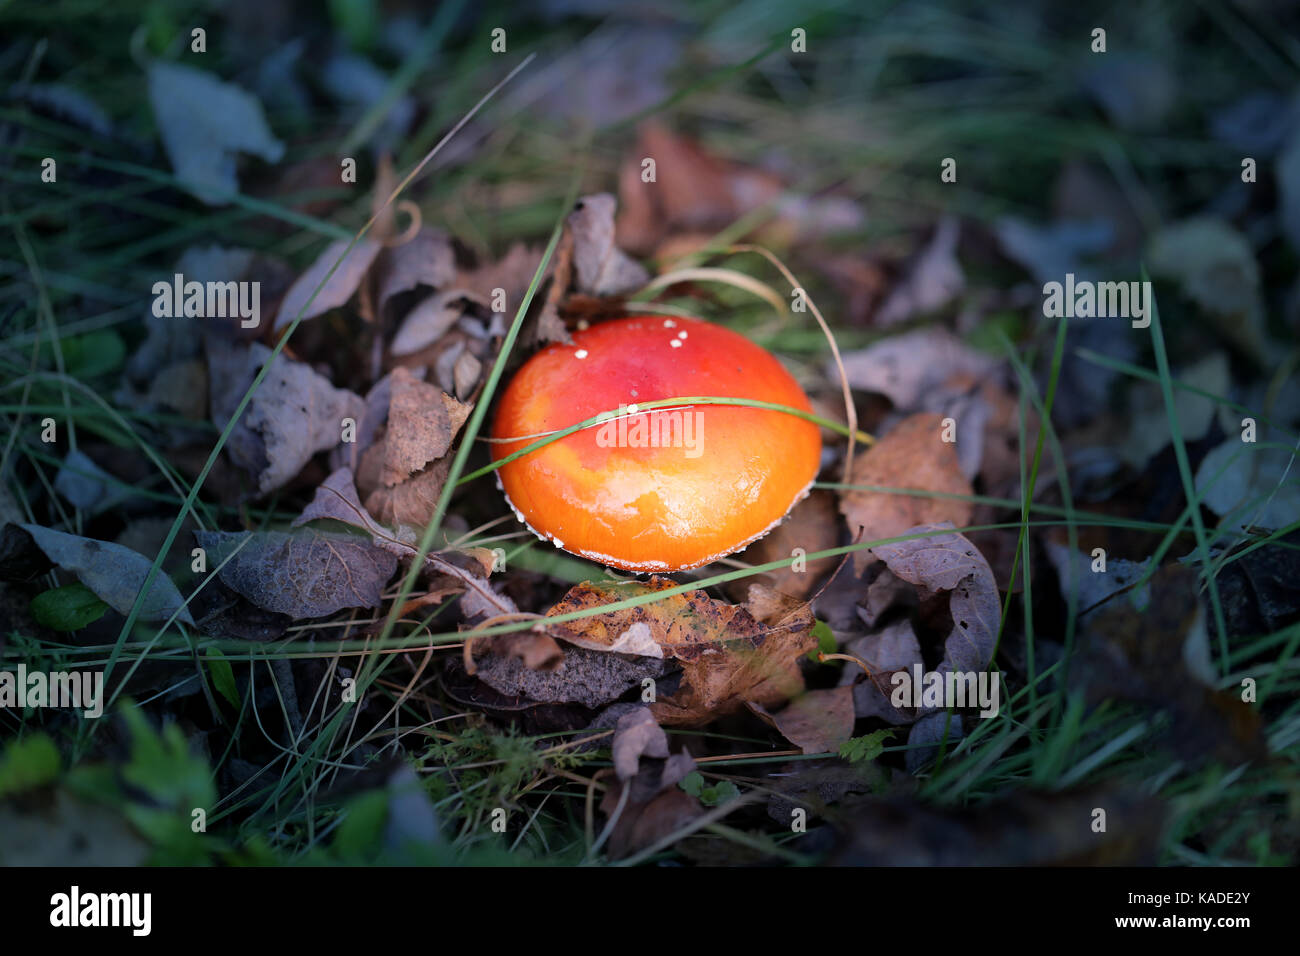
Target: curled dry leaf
x=337, y=499
x=116, y=574
x=427, y=260
x=913, y=455
x=948, y=562
x=403, y=472
x=422, y=421
x=643, y=824
x=338, y=288
x=512, y=274
x=409, y=505
x=430, y=320
x=601, y=267
x=728, y=655
x=637, y=733
x=645, y=803
x=306, y=573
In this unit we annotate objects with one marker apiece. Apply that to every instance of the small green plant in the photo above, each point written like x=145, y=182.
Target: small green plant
x=721, y=792
x=866, y=748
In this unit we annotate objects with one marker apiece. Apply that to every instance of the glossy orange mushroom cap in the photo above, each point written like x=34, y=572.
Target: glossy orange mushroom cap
x=665, y=489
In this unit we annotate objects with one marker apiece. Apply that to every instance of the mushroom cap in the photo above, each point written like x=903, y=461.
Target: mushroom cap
x=660, y=490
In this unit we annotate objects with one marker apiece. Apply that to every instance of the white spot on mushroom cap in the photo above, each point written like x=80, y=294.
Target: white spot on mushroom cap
x=681, y=335
x=675, y=343
x=581, y=353
x=669, y=324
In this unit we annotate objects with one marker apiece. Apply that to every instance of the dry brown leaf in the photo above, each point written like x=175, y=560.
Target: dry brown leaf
x=811, y=526
x=728, y=656
x=696, y=191
x=513, y=273
x=538, y=652
x=422, y=422
x=411, y=503
x=294, y=413
x=913, y=455
x=338, y=288
x=817, y=721
x=601, y=267
x=428, y=259
x=430, y=320
x=643, y=824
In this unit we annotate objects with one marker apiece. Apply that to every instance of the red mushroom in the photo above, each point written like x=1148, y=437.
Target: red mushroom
x=654, y=490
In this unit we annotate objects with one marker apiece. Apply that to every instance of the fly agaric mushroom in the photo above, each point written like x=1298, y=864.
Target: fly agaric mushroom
x=654, y=490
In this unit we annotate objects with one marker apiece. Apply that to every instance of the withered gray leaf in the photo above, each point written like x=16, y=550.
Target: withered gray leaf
x=949, y=562
x=427, y=260
x=890, y=649
x=306, y=573
x=338, y=287
x=431, y=319
x=205, y=123
x=926, y=737
x=293, y=414
x=336, y=500
x=113, y=572
x=590, y=678
x=602, y=268
x=905, y=368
